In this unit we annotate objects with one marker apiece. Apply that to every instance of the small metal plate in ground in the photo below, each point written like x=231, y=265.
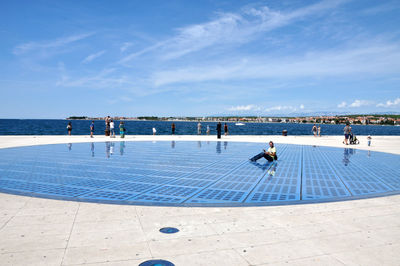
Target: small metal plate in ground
x=156, y=263
x=169, y=230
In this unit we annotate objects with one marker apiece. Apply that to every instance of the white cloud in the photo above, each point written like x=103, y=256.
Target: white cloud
x=250, y=107
x=359, y=103
x=301, y=106
x=280, y=108
x=91, y=57
x=395, y=102
x=32, y=46
x=355, y=104
x=370, y=59
x=231, y=28
x=125, y=46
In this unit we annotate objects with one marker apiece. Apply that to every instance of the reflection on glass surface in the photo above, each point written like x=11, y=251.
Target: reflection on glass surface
x=112, y=144
x=369, y=153
x=69, y=146
x=346, y=155
x=218, y=146
x=272, y=170
x=199, y=144
x=267, y=165
x=92, y=148
x=173, y=144
x=121, y=147
x=108, y=149
x=225, y=145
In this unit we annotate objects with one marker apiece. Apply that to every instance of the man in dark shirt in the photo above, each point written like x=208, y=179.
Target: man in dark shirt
x=219, y=130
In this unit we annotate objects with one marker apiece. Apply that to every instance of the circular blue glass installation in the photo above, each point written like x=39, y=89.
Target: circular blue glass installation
x=169, y=230
x=156, y=263
x=189, y=173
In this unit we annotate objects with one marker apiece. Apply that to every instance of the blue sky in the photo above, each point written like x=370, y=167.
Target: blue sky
x=182, y=58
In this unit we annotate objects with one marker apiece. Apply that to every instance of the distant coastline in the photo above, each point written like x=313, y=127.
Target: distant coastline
x=370, y=119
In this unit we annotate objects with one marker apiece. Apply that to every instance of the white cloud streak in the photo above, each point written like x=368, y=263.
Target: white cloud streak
x=91, y=57
x=125, y=46
x=230, y=28
x=250, y=107
x=372, y=60
x=281, y=108
x=32, y=46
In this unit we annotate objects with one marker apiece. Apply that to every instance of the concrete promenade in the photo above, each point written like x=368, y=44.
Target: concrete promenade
x=36, y=231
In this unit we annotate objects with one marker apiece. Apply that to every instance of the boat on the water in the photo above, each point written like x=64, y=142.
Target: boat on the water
x=239, y=124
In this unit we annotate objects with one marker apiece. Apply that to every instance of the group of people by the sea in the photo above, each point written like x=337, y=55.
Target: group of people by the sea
x=349, y=137
x=110, y=128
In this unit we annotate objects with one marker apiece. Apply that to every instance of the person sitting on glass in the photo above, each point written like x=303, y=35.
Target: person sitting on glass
x=269, y=154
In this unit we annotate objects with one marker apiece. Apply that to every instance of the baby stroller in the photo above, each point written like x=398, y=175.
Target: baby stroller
x=353, y=139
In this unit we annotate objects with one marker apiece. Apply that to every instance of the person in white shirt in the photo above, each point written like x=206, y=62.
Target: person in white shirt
x=269, y=154
x=154, y=131
x=112, y=131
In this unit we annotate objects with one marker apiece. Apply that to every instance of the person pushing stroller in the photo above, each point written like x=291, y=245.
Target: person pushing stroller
x=269, y=154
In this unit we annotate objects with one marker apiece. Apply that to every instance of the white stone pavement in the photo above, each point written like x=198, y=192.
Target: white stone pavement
x=36, y=231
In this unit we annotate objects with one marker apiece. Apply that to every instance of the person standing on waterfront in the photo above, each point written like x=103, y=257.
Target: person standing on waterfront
x=112, y=131
x=91, y=129
x=173, y=128
x=314, y=130
x=226, y=129
x=347, y=132
x=369, y=140
x=107, y=120
x=219, y=128
x=208, y=130
x=199, y=128
x=154, y=131
x=319, y=131
x=69, y=128
x=122, y=129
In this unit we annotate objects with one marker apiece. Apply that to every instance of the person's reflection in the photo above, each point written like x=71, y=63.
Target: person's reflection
x=346, y=155
x=369, y=153
x=69, y=146
x=272, y=170
x=218, y=146
x=112, y=144
x=225, y=145
x=264, y=166
x=199, y=144
x=92, y=148
x=121, y=147
x=108, y=149
x=173, y=144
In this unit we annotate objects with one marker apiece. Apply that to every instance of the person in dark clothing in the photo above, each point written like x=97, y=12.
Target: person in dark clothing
x=173, y=128
x=219, y=128
x=69, y=128
x=107, y=131
x=226, y=129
